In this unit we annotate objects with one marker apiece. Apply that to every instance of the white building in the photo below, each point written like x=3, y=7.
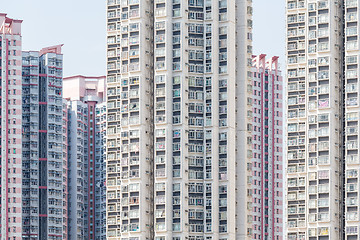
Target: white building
x=318, y=204
x=179, y=89
x=100, y=170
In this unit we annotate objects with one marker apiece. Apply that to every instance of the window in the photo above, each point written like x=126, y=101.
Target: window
x=351, y=59
x=352, y=230
x=176, y=80
x=176, y=12
x=176, y=26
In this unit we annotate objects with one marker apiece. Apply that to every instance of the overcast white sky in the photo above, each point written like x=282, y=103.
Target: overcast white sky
x=269, y=28
x=80, y=26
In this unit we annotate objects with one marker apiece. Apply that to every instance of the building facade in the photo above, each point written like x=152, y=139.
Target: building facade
x=43, y=145
x=100, y=169
x=86, y=164
x=322, y=120
x=351, y=120
x=11, y=147
x=78, y=149
x=65, y=171
x=53, y=150
x=267, y=164
x=179, y=110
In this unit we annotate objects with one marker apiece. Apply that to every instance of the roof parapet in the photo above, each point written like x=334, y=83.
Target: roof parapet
x=9, y=25
x=53, y=49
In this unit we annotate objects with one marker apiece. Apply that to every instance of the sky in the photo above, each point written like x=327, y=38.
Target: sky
x=80, y=25
x=269, y=28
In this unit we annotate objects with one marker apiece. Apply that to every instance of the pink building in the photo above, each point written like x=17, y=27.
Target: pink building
x=267, y=140
x=80, y=87
x=11, y=148
x=86, y=160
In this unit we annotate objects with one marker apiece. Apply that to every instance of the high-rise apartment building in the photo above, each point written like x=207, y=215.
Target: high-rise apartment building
x=100, y=168
x=323, y=119
x=43, y=190
x=65, y=171
x=267, y=149
x=86, y=163
x=78, y=187
x=179, y=120
x=53, y=150
x=11, y=148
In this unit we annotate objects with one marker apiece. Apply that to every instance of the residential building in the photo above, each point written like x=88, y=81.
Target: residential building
x=267, y=165
x=53, y=165
x=100, y=169
x=349, y=144
x=77, y=188
x=10, y=108
x=86, y=163
x=43, y=195
x=322, y=102
x=179, y=120
x=65, y=171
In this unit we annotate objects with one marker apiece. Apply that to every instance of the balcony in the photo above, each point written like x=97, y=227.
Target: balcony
x=352, y=101
x=351, y=187
x=352, y=159
x=351, y=3
x=352, y=130
x=134, y=227
x=352, y=173
x=351, y=45
x=352, y=216
x=134, y=13
x=160, y=173
x=352, y=201
x=351, y=17
x=352, y=145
